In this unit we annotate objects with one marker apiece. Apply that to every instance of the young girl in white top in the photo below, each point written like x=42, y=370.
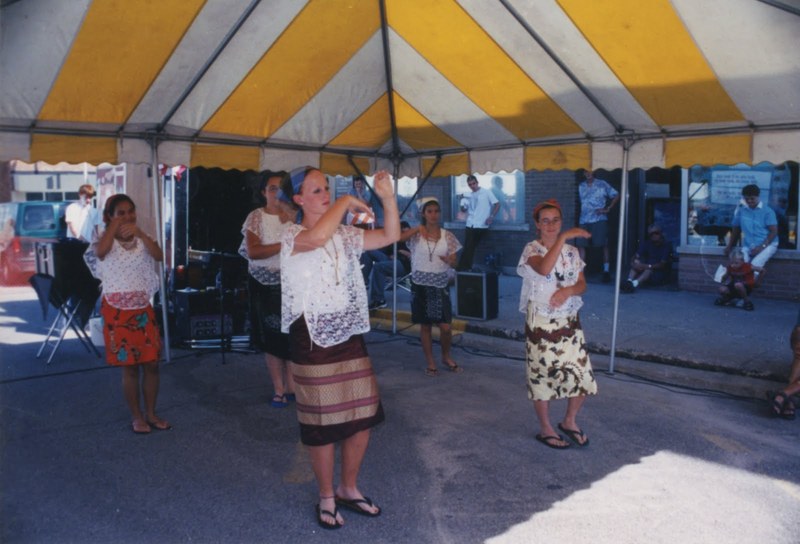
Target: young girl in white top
x=126, y=267
x=433, y=254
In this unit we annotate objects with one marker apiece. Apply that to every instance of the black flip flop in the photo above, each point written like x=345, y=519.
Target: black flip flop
x=575, y=435
x=547, y=441
x=334, y=525
x=355, y=506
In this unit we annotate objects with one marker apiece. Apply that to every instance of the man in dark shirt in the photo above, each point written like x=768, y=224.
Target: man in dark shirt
x=651, y=262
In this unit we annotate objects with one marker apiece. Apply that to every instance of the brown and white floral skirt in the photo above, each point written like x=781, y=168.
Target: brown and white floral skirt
x=557, y=362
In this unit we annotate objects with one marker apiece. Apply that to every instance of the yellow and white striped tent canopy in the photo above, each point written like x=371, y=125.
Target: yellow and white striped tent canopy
x=483, y=85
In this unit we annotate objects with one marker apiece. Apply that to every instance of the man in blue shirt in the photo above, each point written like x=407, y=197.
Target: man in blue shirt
x=597, y=198
x=757, y=225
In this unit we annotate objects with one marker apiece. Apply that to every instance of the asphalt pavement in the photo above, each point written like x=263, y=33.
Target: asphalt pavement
x=455, y=461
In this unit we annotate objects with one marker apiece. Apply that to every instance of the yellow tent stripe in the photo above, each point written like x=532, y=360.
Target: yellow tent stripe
x=652, y=53
x=443, y=33
x=54, y=149
x=119, y=51
x=558, y=157
x=450, y=165
x=708, y=150
x=370, y=129
x=312, y=49
x=228, y=157
x=415, y=129
x=333, y=164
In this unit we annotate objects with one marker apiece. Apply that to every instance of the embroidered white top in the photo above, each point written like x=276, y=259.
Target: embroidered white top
x=268, y=228
x=325, y=286
x=128, y=276
x=538, y=289
x=427, y=267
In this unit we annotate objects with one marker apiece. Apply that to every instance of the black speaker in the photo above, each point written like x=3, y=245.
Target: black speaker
x=197, y=315
x=476, y=295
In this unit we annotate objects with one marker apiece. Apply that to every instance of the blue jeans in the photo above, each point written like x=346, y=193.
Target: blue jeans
x=380, y=271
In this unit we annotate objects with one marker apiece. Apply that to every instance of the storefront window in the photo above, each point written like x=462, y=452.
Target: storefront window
x=715, y=192
x=509, y=189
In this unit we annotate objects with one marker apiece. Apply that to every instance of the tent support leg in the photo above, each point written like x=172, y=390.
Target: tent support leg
x=157, y=199
x=623, y=214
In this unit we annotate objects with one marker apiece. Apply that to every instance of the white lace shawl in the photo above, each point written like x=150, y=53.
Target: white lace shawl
x=538, y=289
x=333, y=312
x=128, y=276
x=427, y=268
x=268, y=229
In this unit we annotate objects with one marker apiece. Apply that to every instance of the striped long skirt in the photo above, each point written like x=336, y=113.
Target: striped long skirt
x=337, y=393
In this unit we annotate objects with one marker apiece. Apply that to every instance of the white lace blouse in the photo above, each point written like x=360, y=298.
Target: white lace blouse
x=325, y=286
x=128, y=276
x=427, y=267
x=268, y=229
x=538, y=289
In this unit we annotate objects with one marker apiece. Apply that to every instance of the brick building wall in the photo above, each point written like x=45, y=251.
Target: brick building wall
x=781, y=279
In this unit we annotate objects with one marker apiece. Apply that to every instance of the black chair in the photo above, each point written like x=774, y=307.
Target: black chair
x=71, y=290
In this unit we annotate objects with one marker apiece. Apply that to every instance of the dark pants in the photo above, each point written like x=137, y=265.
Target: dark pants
x=473, y=238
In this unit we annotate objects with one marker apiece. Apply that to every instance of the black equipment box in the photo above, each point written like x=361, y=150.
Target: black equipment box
x=476, y=295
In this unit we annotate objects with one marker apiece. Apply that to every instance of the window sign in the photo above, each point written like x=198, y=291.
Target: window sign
x=509, y=189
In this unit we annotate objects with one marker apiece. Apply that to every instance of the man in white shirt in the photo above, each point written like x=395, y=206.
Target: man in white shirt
x=81, y=217
x=483, y=206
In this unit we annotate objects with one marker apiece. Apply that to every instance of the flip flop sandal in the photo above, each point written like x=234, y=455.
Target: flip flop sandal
x=431, y=372
x=575, y=435
x=776, y=406
x=549, y=441
x=279, y=401
x=788, y=411
x=325, y=525
x=160, y=425
x=454, y=368
x=355, y=506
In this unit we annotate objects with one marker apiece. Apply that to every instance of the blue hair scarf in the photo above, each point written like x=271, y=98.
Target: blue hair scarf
x=297, y=177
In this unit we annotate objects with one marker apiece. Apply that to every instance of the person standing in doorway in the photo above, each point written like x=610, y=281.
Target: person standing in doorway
x=597, y=199
x=483, y=206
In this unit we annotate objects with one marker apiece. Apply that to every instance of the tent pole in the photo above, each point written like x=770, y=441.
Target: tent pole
x=623, y=212
x=157, y=198
x=395, y=174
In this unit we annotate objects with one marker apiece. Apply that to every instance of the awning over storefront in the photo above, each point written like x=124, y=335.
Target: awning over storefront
x=485, y=85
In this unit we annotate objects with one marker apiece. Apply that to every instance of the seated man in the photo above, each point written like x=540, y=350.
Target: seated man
x=781, y=401
x=651, y=263
x=382, y=269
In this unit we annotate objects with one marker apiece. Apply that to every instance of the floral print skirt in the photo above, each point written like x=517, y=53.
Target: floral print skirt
x=557, y=362
x=430, y=305
x=131, y=336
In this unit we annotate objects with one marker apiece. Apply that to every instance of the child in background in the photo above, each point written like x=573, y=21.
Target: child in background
x=738, y=281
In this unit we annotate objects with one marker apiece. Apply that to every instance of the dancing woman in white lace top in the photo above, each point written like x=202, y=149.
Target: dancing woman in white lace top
x=325, y=313
x=558, y=364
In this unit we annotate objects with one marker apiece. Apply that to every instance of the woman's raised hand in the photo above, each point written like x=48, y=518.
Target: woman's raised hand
x=576, y=232
x=383, y=186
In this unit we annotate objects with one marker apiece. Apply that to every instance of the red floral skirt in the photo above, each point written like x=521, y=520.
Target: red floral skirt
x=131, y=336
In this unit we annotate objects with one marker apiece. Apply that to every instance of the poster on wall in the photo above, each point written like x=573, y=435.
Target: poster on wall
x=110, y=181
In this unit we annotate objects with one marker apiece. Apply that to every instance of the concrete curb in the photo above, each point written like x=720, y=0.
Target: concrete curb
x=380, y=318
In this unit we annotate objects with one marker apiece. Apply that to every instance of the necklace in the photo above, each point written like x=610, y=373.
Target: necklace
x=431, y=249
x=335, y=258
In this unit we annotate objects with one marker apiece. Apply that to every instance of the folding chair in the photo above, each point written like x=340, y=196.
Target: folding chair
x=403, y=282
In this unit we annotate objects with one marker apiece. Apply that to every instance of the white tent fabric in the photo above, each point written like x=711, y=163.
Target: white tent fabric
x=485, y=85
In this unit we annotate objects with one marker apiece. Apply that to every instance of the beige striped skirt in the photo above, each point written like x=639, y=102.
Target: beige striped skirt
x=337, y=393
